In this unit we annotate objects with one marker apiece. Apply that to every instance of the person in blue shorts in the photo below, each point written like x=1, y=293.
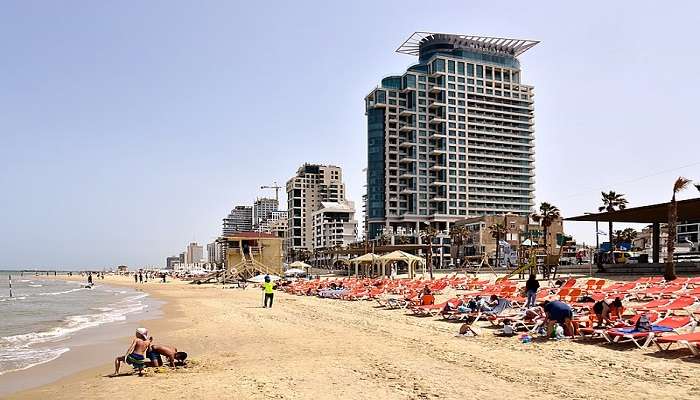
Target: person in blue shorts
x=560, y=313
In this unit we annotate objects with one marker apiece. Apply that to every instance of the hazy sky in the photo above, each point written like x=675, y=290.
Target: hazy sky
x=128, y=129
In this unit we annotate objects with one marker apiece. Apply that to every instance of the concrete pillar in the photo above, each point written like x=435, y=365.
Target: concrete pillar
x=656, y=241
x=357, y=268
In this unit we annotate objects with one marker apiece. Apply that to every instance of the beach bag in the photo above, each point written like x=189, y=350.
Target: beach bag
x=643, y=324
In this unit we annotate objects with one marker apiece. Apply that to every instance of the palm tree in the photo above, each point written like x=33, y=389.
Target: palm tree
x=670, y=270
x=547, y=215
x=612, y=201
x=498, y=230
x=428, y=234
x=624, y=236
x=457, y=237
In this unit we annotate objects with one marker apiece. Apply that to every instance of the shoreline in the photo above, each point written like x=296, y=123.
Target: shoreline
x=89, y=348
x=312, y=348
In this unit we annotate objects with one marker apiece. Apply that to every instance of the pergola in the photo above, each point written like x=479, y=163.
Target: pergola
x=411, y=260
x=369, y=258
x=655, y=214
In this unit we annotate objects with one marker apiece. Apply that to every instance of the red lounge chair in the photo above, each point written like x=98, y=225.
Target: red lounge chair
x=681, y=303
x=653, y=305
x=642, y=339
x=691, y=340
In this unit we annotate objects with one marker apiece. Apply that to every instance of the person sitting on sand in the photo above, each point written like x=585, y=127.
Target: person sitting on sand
x=560, y=313
x=156, y=351
x=136, y=352
x=508, y=330
x=604, y=311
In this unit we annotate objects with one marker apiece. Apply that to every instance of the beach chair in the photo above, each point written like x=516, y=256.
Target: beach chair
x=642, y=339
x=653, y=305
x=679, y=304
x=690, y=340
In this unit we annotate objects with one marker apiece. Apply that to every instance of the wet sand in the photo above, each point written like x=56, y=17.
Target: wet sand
x=310, y=348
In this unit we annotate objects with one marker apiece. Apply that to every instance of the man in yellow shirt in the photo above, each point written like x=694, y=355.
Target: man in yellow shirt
x=267, y=286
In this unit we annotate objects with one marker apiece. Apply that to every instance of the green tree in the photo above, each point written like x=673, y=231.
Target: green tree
x=548, y=213
x=611, y=202
x=498, y=231
x=670, y=270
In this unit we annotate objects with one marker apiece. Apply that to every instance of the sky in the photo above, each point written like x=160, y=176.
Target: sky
x=129, y=129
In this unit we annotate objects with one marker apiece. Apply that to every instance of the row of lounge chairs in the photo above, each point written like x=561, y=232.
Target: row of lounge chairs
x=671, y=307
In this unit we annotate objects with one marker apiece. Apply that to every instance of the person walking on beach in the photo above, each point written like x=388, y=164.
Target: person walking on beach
x=90, y=278
x=140, y=277
x=136, y=354
x=531, y=287
x=136, y=277
x=267, y=286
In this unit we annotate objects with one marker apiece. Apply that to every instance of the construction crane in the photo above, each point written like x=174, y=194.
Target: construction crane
x=277, y=190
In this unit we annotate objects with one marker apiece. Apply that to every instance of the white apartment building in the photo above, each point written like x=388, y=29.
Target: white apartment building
x=275, y=223
x=334, y=224
x=312, y=185
x=452, y=137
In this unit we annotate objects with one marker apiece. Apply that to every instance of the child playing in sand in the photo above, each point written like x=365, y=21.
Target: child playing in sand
x=135, y=356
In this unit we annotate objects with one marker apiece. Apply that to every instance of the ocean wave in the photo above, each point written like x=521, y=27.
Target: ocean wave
x=63, y=292
x=21, y=359
x=35, y=285
x=12, y=298
x=71, y=325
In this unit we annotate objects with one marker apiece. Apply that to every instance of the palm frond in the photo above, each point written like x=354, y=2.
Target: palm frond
x=680, y=184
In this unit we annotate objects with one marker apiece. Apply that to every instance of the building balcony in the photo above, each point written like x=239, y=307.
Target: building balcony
x=407, y=143
x=437, y=119
x=438, y=151
x=407, y=111
x=407, y=159
x=436, y=89
x=437, y=167
x=406, y=127
x=437, y=104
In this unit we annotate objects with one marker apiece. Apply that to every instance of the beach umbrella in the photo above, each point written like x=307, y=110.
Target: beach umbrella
x=528, y=242
x=299, y=264
x=261, y=278
x=294, y=271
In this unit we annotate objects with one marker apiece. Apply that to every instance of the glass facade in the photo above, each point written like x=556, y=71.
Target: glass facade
x=452, y=139
x=375, y=163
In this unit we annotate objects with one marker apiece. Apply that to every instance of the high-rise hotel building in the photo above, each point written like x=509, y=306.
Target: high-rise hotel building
x=453, y=136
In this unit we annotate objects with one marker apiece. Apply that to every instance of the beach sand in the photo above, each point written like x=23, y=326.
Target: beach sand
x=311, y=348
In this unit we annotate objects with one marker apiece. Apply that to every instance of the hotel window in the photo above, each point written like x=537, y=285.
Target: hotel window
x=460, y=68
x=479, y=71
x=451, y=67
x=489, y=73
x=470, y=69
x=451, y=78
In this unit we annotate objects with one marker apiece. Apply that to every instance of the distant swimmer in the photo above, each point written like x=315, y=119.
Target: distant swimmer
x=136, y=354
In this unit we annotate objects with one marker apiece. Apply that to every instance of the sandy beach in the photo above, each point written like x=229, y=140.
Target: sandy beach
x=311, y=348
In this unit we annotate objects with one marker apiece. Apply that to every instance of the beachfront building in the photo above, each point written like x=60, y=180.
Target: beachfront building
x=170, y=261
x=312, y=185
x=475, y=237
x=240, y=219
x=215, y=253
x=250, y=253
x=262, y=207
x=275, y=223
x=452, y=137
x=194, y=253
x=334, y=224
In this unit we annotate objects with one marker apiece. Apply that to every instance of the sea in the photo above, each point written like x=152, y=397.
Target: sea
x=42, y=315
